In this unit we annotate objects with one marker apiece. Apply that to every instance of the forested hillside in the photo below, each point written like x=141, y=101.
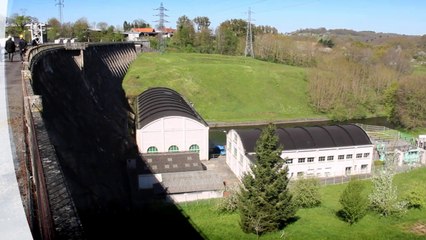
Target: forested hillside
x=349, y=74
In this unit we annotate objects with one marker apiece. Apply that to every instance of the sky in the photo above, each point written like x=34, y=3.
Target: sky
x=391, y=16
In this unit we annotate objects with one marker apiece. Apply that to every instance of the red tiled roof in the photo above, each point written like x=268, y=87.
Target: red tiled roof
x=143, y=30
x=169, y=30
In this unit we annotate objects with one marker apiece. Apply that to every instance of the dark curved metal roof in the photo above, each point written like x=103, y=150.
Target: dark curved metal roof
x=310, y=137
x=249, y=138
x=158, y=102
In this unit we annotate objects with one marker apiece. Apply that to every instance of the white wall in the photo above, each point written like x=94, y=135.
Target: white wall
x=235, y=154
x=239, y=162
x=193, y=196
x=330, y=168
x=175, y=130
x=133, y=36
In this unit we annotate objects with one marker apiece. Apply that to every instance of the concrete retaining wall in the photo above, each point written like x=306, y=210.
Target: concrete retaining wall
x=82, y=132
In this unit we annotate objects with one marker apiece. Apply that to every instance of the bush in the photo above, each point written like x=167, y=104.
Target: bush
x=306, y=193
x=384, y=198
x=354, y=203
x=415, y=197
x=229, y=203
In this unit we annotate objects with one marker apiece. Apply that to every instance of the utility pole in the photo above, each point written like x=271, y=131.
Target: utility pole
x=249, y=37
x=161, y=27
x=60, y=4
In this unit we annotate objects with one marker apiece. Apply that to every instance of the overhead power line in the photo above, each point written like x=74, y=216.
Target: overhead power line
x=249, y=37
x=60, y=4
x=161, y=27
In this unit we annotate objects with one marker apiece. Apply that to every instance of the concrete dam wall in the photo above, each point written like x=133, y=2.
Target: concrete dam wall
x=89, y=123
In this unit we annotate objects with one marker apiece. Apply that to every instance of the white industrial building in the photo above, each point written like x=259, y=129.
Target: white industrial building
x=166, y=122
x=320, y=151
x=172, y=139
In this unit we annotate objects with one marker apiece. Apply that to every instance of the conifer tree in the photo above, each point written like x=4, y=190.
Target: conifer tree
x=354, y=203
x=265, y=203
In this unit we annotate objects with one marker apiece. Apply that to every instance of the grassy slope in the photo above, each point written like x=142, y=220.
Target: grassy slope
x=225, y=88
x=317, y=223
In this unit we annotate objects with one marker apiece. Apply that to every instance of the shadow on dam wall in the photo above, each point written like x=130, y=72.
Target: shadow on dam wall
x=89, y=123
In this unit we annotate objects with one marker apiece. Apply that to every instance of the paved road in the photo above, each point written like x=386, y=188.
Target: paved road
x=13, y=222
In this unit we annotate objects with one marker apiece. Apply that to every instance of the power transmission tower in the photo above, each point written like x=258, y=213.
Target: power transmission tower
x=60, y=4
x=161, y=27
x=249, y=37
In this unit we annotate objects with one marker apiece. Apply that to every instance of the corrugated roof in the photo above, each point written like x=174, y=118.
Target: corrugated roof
x=159, y=102
x=185, y=182
x=171, y=162
x=310, y=137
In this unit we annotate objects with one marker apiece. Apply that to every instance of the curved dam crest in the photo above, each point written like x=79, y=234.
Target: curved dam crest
x=88, y=121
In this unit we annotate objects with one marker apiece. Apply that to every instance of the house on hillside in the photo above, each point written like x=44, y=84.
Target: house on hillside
x=320, y=151
x=167, y=32
x=137, y=34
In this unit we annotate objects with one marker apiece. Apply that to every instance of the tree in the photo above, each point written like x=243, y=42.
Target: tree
x=265, y=203
x=185, y=33
x=354, y=203
x=67, y=30
x=306, y=193
x=390, y=99
x=54, y=30
x=126, y=26
x=204, y=41
x=410, y=109
x=202, y=22
x=18, y=24
x=102, y=26
x=230, y=36
x=265, y=30
x=81, y=27
x=384, y=198
x=326, y=42
x=140, y=23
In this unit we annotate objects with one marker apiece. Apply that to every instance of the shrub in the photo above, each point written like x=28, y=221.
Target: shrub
x=229, y=203
x=306, y=193
x=384, y=198
x=415, y=197
x=354, y=203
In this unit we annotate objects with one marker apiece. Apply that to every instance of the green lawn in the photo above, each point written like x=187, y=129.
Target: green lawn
x=225, y=88
x=317, y=223
x=419, y=70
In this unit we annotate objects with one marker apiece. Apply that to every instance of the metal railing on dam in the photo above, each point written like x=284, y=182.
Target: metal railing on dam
x=57, y=213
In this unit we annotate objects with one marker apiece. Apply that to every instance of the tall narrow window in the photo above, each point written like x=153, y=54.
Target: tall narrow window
x=194, y=148
x=173, y=148
x=152, y=149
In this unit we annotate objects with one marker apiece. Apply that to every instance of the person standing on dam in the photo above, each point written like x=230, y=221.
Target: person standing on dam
x=10, y=48
x=35, y=42
x=22, y=45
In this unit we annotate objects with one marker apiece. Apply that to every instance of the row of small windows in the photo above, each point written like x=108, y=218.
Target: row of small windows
x=329, y=158
x=174, y=148
x=327, y=171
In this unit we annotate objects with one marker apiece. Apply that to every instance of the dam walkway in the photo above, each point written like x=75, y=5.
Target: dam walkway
x=13, y=220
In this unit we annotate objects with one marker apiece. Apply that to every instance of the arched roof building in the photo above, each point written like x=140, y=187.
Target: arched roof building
x=320, y=151
x=166, y=122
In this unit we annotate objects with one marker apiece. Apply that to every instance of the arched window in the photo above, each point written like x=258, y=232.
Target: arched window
x=194, y=148
x=152, y=149
x=173, y=148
